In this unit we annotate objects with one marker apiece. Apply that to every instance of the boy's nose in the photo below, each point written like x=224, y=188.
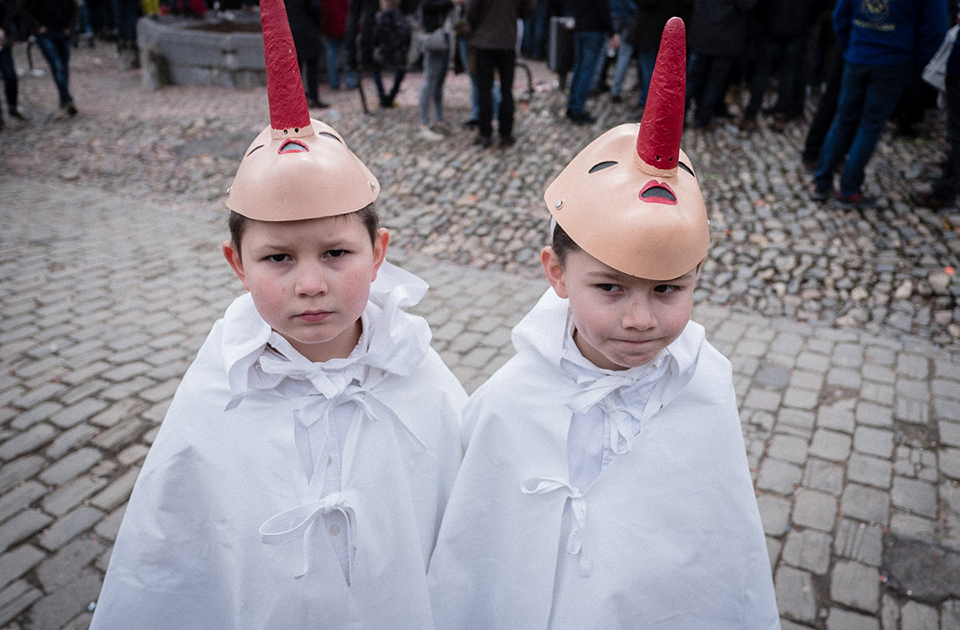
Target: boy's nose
x=311, y=280
x=639, y=315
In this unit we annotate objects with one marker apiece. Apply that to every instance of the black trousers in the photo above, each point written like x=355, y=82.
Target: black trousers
x=503, y=61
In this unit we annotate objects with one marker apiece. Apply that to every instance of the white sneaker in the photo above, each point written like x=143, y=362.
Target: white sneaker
x=428, y=134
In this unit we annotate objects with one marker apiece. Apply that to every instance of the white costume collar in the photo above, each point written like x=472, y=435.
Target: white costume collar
x=392, y=341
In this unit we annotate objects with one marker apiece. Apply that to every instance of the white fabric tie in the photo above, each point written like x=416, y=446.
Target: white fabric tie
x=600, y=392
x=543, y=485
x=297, y=522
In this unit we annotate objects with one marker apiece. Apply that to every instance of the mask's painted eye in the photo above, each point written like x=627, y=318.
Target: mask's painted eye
x=293, y=146
x=326, y=134
x=601, y=166
x=686, y=168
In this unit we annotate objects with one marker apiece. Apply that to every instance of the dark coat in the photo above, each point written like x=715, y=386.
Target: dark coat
x=434, y=12
x=719, y=27
x=646, y=27
x=54, y=15
x=306, y=20
x=786, y=19
x=494, y=22
x=592, y=16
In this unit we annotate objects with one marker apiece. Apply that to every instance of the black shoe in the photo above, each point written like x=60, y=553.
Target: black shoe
x=483, y=142
x=616, y=98
x=926, y=199
x=821, y=194
x=507, y=141
x=16, y=113
x=583, y=118
x=856, y=201
x=70, y=108
x=317, y=104
x=471, y=124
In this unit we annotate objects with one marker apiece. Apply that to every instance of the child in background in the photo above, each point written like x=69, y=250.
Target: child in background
x=605, y=482
x=391, y=37
x=301, y=471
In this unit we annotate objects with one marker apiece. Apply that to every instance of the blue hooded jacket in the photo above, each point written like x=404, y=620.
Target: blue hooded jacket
x=890, y=32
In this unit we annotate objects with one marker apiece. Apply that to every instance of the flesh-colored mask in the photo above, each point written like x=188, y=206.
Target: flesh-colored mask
x=300, y=173
x=298, y=167
x=631, y=198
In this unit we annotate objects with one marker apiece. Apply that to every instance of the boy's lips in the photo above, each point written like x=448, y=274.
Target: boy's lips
x=313, y=316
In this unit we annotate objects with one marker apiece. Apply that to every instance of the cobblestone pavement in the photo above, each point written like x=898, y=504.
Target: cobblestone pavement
x=841, y=327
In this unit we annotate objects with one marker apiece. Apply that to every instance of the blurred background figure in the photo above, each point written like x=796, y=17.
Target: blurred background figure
x=50, y=22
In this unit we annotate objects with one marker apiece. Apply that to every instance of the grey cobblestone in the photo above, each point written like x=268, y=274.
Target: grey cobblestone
x=914, y=496
x=808, y=550
x=795, y=594
x=872, y=471
x=65, y=528
x=866, y=504
x=856, y=585
x=859, y=541
x=830, y=445
x=815, y=509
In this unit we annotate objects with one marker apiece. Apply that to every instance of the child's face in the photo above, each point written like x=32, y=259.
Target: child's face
x=621, y=321
x=310, y=279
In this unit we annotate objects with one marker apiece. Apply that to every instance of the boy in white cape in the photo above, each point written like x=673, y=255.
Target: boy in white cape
x=605, y=482
x=299, y=477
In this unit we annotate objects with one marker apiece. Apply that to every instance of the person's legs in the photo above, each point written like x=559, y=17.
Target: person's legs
x=765, y=63
x=586, y=47
x=313, y=80
x=648, y=61
x=9, y=74
x=50, y=45
x=624, y=57
x=790, y=89
x=506, y=62
x=844, y=127
x=826, y=109
x=441, y=79
x=485, y=65
x=397, y=80
x=948, y=184
x=333, y=60
x=883, y=88
x=378, y=81
x=434, y=66
x=714, y=90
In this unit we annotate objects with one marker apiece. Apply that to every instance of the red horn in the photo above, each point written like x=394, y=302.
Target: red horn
x=658, y=142
x=288, y=102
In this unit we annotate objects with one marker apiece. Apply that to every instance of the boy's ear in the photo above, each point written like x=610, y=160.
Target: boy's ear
x=232, y=254
x=379, y=250
x=553, y=270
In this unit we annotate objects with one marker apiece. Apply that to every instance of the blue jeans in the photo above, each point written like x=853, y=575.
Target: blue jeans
x=587, y=47
x=334, y=45
x=434, y=72
x=868, y=96
x=648, y=61
x=55, y=46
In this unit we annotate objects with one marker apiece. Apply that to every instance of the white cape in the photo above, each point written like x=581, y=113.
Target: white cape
x=219, y=531
x=667, y=537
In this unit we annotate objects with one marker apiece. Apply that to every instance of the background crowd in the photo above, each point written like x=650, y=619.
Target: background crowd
x=752, y=63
